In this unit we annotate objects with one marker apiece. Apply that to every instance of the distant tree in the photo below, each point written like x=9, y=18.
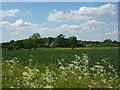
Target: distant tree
x=108, y=43
x=19, y=44
x=72, y=41
x=11, y=42
x=80, y=44
x=11, y=45
x=35, y=38
x=49, y=41
x=59, y=41
x=5, y=45
x=35, y=41
x=107, y=40
x=27, y=44
x=43, y=42
x=0, y=45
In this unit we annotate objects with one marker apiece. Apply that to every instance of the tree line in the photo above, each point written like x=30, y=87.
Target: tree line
x=35, y=41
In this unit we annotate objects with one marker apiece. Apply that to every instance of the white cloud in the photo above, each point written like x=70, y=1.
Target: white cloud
x=108, y=34
x=86, y=30
x=19, y=25
x=84, y=13
x=112, y=33
x=4, y=23
x=9, y=13
x=91, y=25
x=104, y=10
x=60, y=16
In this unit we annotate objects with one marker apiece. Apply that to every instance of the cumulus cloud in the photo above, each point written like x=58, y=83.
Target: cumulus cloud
x=84, y=13
x=60, y=16
x=19, y=25
x=9, y=13
x=89, y=28
x=91, y=25
x=108, y=34
x=104, y=10
x=4, y=23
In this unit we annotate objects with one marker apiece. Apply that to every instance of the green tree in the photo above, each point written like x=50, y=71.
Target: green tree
x=35, y=39
x=19, y=44
x=11, y=45
x=59, y=41
x=49, y=41
x=27, y=44
x=107, y=40
x=72, y=41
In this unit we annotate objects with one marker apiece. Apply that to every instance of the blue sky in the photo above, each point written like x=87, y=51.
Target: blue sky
x=87, y=21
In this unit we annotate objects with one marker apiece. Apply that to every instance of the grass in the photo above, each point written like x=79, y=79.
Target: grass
x=45, y=56
x=76, y=74
x=57, y=68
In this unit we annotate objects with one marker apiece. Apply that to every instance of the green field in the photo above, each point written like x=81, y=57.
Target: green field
x=53, y=55
x=74, y=71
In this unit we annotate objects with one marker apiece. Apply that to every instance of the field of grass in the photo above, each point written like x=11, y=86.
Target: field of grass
x=53, y=55
x=61, y=68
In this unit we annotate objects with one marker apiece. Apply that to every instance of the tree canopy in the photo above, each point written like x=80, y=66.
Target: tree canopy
x=35, y=41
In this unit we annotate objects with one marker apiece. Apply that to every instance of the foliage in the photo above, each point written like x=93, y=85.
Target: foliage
x=72, y=41
x=27, y=43
x=59, y=41
x=35, y=41
x=76, y=74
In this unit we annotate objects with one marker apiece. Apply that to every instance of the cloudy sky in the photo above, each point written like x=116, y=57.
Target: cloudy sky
x=87, y=21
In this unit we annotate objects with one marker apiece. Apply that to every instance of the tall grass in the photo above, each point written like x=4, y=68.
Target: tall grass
x=76, y=74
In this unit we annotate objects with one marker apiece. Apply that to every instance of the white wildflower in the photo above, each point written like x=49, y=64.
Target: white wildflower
x=25, y=74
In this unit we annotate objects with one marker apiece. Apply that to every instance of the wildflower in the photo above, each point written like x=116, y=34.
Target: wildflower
x=59, y=63
x=89, y=86
x=104, y=80
x=48, y=86
x=62, y=67
x=25, y=74
x=79, y=77
x=12, y=87
x=30, y=60
x=15, y=58
x=71, y=65
x=75, y=55
x=36, y=70
x=26, y=67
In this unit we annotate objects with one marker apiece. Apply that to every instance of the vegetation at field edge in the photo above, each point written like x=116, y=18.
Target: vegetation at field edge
x=76, y=74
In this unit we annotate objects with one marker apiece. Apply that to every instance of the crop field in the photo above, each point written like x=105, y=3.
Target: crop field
x=53, y=55
x=60, y=68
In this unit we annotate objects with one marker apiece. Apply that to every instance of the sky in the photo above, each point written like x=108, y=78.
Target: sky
x=60, y=0
x=91, y=21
